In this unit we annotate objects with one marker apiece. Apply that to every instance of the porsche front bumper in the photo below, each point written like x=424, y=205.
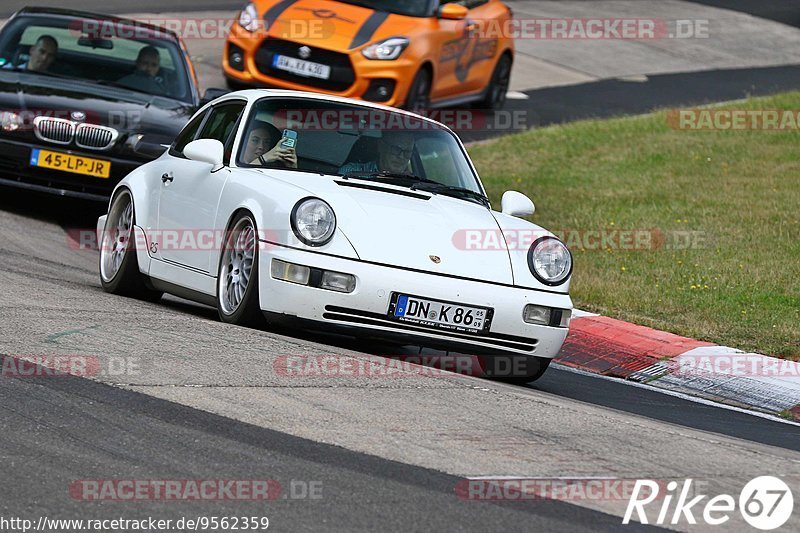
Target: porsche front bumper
x=367, y=307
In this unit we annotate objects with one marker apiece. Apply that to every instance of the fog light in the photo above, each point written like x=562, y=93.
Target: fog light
x=380, y=90
x=235, y=57
x=290, y=272
x=535, y=314
x=336, y=281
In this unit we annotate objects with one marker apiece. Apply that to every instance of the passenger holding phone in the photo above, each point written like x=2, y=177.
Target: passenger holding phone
x=267, y=147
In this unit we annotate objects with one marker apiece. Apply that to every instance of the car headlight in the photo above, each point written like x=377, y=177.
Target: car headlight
x=386, y=50
x=248, y=18
x=10, y=121
x=550, y=261
x=313, y=221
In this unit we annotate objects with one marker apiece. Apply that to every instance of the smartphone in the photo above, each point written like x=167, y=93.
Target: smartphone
x=289, y=139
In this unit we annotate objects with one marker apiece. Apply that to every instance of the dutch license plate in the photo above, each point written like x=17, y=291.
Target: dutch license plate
x=76, y=164
x=300, y=67
x=439, y=314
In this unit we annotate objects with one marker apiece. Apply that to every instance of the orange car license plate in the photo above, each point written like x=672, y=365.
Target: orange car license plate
x=76, y=164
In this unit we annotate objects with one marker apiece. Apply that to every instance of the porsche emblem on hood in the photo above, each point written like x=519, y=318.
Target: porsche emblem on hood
x=435, y=258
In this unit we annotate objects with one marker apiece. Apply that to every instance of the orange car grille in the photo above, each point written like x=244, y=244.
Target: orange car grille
x=342, y=74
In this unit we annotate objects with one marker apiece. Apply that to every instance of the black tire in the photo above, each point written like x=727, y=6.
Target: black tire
x=515, y=369
x=498, y=86
x=418, y=99
x=237, y=290
x=119, y=265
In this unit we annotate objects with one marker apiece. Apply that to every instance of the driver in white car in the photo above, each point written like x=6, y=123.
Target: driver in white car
x=395, y=149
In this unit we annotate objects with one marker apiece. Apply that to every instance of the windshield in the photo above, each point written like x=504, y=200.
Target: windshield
x=414, y=8
x=356, y=142
x=98, y=51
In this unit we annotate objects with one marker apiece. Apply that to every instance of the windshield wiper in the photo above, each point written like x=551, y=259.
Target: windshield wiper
x=441, y=188
x=392, y=178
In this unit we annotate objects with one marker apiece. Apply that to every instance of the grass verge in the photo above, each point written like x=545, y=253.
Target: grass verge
x=723, y=208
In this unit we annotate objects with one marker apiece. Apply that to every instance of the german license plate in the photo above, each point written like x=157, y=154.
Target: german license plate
x=76, y=164
x=300, y=67
x=439, y=314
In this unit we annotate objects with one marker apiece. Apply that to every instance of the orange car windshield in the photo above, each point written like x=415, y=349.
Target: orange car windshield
x=413, y=8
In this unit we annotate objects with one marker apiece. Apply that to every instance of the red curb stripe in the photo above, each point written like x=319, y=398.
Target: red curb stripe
x=612, y=347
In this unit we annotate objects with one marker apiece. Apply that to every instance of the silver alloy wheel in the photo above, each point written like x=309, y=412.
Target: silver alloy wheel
x=116, y=237
x=236, y=267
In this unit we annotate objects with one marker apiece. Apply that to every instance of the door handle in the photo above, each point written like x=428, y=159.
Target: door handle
x=167, y=177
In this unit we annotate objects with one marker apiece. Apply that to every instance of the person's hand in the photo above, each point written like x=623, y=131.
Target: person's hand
x=286, y=156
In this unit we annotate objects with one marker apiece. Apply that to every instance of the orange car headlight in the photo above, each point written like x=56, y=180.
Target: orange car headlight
x=386, y=50
x=248, y=18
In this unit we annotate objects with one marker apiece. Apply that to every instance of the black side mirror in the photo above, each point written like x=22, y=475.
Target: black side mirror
x=212, y=94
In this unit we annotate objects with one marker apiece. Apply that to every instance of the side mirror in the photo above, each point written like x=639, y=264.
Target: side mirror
x=517, y=204
x=453, y=12
x=208, y=151
x=212, y=94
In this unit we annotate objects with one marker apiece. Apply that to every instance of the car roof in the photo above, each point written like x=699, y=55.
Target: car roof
x=75, y=14
x=255, y=94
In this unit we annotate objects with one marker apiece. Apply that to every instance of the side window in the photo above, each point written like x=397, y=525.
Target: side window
x=187, y=135
x=221, y=125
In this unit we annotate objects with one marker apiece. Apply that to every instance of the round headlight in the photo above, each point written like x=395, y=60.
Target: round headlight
x=550, y=261
x=313, y=221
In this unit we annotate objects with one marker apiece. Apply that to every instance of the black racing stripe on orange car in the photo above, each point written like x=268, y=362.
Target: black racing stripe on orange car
x=272, y=14
x=368, y=29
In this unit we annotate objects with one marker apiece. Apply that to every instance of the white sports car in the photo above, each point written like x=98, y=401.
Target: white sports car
x=339, y=213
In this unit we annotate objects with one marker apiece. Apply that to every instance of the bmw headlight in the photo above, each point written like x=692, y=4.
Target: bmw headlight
x=550, y=261
x=313, y=221
x=248, y=18
x=386, y=50
x=10, y=121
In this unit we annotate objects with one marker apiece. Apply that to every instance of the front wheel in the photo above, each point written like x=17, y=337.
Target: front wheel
x=516, y=369
x=419, y=95
x=498, y=86
x=237, y=284
x=119, y=266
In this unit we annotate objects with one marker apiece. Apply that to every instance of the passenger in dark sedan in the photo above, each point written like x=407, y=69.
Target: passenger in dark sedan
x=147, y=77
x=42, y=55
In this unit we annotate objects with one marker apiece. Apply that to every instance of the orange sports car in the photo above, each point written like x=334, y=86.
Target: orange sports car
x=411, y=53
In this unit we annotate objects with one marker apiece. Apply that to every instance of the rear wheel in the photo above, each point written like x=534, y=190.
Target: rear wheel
x=119, y=266
x=419, y=95
x=237, y=284
x=516, y=369
x=499, y=84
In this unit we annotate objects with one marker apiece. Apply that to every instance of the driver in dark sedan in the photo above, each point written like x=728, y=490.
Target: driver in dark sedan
x=147, y=76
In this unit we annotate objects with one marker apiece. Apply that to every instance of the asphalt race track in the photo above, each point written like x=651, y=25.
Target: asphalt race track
x=57, y=431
